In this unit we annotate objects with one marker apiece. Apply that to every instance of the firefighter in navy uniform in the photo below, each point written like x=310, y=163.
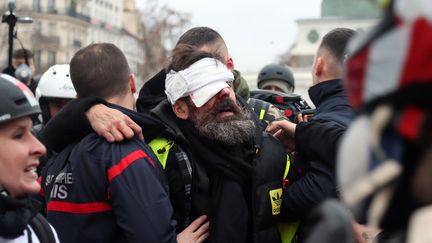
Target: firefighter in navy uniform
x=98, y=191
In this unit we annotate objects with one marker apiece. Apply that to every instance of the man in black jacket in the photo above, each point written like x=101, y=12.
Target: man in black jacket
x=327, y=92
x=315, y=180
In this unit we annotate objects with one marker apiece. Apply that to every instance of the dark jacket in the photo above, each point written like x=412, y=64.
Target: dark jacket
x=108, y=192
x=314, y=180
x=74, y=126
x=268, y=166
x=152, y=93
x=326, y=141
x=331, y=103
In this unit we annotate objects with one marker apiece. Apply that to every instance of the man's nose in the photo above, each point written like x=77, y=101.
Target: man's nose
x=224, y=93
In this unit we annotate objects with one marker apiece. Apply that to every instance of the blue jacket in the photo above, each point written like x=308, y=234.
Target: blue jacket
x=108, y=192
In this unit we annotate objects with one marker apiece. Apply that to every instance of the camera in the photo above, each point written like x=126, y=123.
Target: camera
x=290, y=105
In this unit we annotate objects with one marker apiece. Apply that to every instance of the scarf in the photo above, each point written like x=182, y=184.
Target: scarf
x=15, y=215
x=229, y=169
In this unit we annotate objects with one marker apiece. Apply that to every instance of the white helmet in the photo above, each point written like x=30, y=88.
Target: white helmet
x=56, y=83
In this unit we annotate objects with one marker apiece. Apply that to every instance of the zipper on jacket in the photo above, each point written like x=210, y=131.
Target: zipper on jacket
x=253, y=182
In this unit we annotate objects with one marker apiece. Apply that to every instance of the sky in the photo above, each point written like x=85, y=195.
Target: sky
x=255, y=31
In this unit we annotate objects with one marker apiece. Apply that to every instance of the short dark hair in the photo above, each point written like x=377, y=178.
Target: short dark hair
x=100, y=70
x=22, y=53
x=199, y=36
x=185, y=55
x=336, y=41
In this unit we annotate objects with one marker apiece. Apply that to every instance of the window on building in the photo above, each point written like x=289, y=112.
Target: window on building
x=52, y=29
x=51, y=58
x=77, y=43
x=37, y=57
x=36, y=5
x=51, y=6
x=37, y=26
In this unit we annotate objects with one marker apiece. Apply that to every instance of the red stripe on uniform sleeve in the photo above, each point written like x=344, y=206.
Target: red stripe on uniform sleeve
x=125, y=162
x=67, y=207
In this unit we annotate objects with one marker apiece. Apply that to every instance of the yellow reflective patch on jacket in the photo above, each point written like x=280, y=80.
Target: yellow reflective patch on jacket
x=161, y=147
x=262, y=114
x=287, y=167
x=276, y=200
x=288, y=231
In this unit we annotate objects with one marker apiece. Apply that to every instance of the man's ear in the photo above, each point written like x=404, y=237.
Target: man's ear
x=132, y=84
x=181, y=109
x=230, y=64
x=319, y=66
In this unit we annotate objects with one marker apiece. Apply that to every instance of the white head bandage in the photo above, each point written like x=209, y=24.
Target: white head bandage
x=202, y=80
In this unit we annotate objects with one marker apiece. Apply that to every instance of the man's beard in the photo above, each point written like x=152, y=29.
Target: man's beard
x=231, y=130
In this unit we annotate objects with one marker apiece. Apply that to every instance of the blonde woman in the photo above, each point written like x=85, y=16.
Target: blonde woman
x=19, y=158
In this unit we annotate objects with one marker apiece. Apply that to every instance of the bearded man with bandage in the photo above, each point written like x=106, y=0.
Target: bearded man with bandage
x=217, y=158
x=218, y=161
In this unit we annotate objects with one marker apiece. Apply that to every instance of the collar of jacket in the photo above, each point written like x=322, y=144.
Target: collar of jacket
x=240, y=85
x=164, y=114
x=319, y=92
x=152, y=92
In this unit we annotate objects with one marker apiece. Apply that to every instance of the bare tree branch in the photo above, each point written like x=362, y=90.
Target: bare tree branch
x=162, y=26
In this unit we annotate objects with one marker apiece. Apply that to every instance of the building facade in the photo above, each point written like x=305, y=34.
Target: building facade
x=61, y=27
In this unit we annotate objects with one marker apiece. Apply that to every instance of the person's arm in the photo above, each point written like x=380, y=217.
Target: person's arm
x=112, y=124
x=300, y=196
x=82, y=116
x=70, y=124
x=317, y=141
x=141, y=203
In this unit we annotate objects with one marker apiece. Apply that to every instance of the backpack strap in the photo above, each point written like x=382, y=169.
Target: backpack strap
x=259, y=107
x=42, y=229
x=287, y=230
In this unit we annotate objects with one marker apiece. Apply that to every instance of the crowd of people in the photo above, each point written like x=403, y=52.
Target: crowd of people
x=199, y=157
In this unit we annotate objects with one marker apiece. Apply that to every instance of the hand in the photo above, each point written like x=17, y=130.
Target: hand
x=302, y=118
x=284, y=131
x=364, y=234
x=112, y=124
x=196, y=232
